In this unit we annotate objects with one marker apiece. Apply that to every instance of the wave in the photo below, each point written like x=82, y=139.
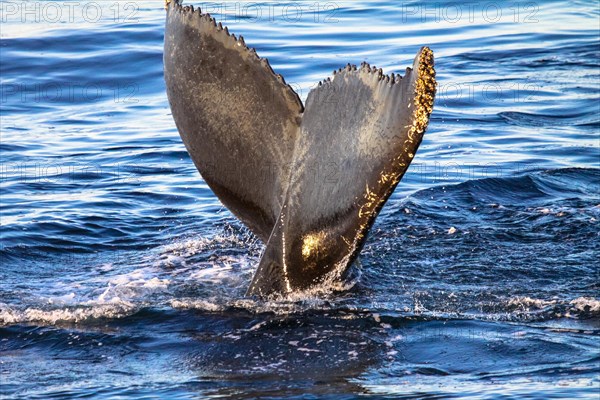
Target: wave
x=493, y=249
x=515, y=309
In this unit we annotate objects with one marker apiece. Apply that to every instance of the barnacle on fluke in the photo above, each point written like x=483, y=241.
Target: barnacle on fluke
x=308, y=179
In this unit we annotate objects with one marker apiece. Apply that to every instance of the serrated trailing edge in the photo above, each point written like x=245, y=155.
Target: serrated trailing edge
x=220, y=28
x=366, y=68
x=391, y=79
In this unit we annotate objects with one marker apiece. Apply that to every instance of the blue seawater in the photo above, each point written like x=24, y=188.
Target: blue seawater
x=122, y=276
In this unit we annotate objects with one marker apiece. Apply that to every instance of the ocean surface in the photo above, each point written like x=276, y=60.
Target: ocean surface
x=123, y=277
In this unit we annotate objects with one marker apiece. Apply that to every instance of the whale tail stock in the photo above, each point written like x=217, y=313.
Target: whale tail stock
x=308, y=180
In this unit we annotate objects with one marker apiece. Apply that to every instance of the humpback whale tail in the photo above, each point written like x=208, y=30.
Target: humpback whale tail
x=308, y=180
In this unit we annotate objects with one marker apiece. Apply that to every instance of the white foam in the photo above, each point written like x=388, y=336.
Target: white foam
x=10, y=316
x=103, y=296
x=62, y=300
x=529, y=303
x=197, y=304
x=213, y=273
x=191, y=247
x=130, y=286
x=586, y=304
x=577, y=308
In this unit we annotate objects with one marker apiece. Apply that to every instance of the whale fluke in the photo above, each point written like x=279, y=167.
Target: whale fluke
x=309, y=180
